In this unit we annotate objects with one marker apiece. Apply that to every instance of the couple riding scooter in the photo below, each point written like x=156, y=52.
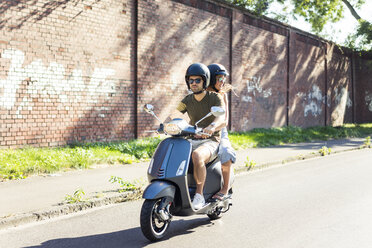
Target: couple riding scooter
x=171, y=186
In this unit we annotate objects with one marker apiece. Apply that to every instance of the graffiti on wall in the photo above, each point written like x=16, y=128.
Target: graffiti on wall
x=44, y=82
x=342, y=98
x=368, y=99
x=254, y=87
x=342, y=102
x=312, y=101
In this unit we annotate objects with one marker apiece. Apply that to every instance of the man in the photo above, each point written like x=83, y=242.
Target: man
x=197, y=105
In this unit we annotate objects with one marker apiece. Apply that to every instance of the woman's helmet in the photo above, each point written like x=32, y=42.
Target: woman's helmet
x=198, y=69
x=216, y=69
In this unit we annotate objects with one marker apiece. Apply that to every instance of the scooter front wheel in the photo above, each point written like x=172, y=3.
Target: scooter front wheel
x=152, y=226
x=215, y=215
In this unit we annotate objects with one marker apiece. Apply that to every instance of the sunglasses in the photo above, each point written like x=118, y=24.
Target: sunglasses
x=221, y=79
x=197, y=81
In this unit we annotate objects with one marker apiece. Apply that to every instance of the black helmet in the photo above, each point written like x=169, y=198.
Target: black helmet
x=216, y=69
x=198, y=69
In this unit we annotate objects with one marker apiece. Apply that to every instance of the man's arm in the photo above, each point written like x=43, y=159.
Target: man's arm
x=218, y=123
x=175, y=114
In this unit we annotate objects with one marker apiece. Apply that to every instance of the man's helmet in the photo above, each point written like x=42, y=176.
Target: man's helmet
x=198, y=69
x=216, y=69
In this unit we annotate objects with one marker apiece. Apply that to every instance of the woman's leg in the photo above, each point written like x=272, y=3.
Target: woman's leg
x=226, y=168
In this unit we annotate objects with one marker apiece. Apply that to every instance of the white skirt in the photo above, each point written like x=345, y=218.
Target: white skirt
x=226, y=152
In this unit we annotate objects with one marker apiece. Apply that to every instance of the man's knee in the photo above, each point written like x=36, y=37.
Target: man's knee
x=199, y=157
x=196, y=157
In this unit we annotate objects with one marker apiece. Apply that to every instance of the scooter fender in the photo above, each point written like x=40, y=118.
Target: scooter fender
x=159, y=189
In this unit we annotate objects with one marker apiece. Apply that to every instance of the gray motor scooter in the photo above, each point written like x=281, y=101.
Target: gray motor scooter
x=172, y=184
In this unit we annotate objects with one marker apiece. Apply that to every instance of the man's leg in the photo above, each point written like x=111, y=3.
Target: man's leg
x=199, y=158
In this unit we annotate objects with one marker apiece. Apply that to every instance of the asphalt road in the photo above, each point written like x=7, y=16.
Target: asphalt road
x=323, y=202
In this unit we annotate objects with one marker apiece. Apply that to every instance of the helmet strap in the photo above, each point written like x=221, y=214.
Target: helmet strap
x=215, y=88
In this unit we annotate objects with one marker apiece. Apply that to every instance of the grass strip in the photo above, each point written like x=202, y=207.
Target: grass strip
x=260, y=137
x=20, y=163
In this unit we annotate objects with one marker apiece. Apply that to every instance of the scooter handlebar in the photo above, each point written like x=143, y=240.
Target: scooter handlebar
x=202, y=133
x=199, y=131
x=158, y=131
x=161, y=128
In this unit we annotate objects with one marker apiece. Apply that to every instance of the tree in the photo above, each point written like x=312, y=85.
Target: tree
x=318, y=13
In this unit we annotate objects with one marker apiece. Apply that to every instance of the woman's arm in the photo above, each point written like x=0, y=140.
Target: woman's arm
x=226, y=100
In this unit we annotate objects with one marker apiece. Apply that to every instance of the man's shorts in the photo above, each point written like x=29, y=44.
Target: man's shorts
x=211, y=145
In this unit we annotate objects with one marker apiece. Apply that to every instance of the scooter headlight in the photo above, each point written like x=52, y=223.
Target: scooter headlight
x=175, y=126
x=172, y=129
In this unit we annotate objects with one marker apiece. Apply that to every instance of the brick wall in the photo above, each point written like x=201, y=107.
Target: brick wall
x=306, y=81
x=82, y=70
x=66, y=72
x=339, y=87
x=259, y=75
x=171, y=36
x=363, y=92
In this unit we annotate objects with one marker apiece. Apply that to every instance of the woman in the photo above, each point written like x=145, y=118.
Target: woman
x=226, y=152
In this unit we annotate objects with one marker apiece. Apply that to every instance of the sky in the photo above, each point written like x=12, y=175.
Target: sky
x=339, y=30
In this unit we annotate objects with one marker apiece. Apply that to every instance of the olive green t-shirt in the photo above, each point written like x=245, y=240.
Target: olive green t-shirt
x=198, y=109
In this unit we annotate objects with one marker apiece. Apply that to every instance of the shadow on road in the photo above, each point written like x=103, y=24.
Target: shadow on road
x=127, y=238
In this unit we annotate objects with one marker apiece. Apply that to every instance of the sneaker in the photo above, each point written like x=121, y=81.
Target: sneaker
x=198, y=201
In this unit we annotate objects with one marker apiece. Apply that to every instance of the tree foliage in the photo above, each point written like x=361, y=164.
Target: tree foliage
x=258, y=7
x=318, y=13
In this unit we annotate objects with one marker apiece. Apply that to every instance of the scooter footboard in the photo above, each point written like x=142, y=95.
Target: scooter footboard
x=158, y=189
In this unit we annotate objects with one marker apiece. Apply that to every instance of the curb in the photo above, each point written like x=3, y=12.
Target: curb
x=65, y=209
x=114, y=197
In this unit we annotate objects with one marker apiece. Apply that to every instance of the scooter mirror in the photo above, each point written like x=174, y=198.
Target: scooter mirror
x=148, y=108
x=217, y=111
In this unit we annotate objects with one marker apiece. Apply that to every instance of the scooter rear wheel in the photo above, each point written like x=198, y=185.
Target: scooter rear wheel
x=152, y=226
